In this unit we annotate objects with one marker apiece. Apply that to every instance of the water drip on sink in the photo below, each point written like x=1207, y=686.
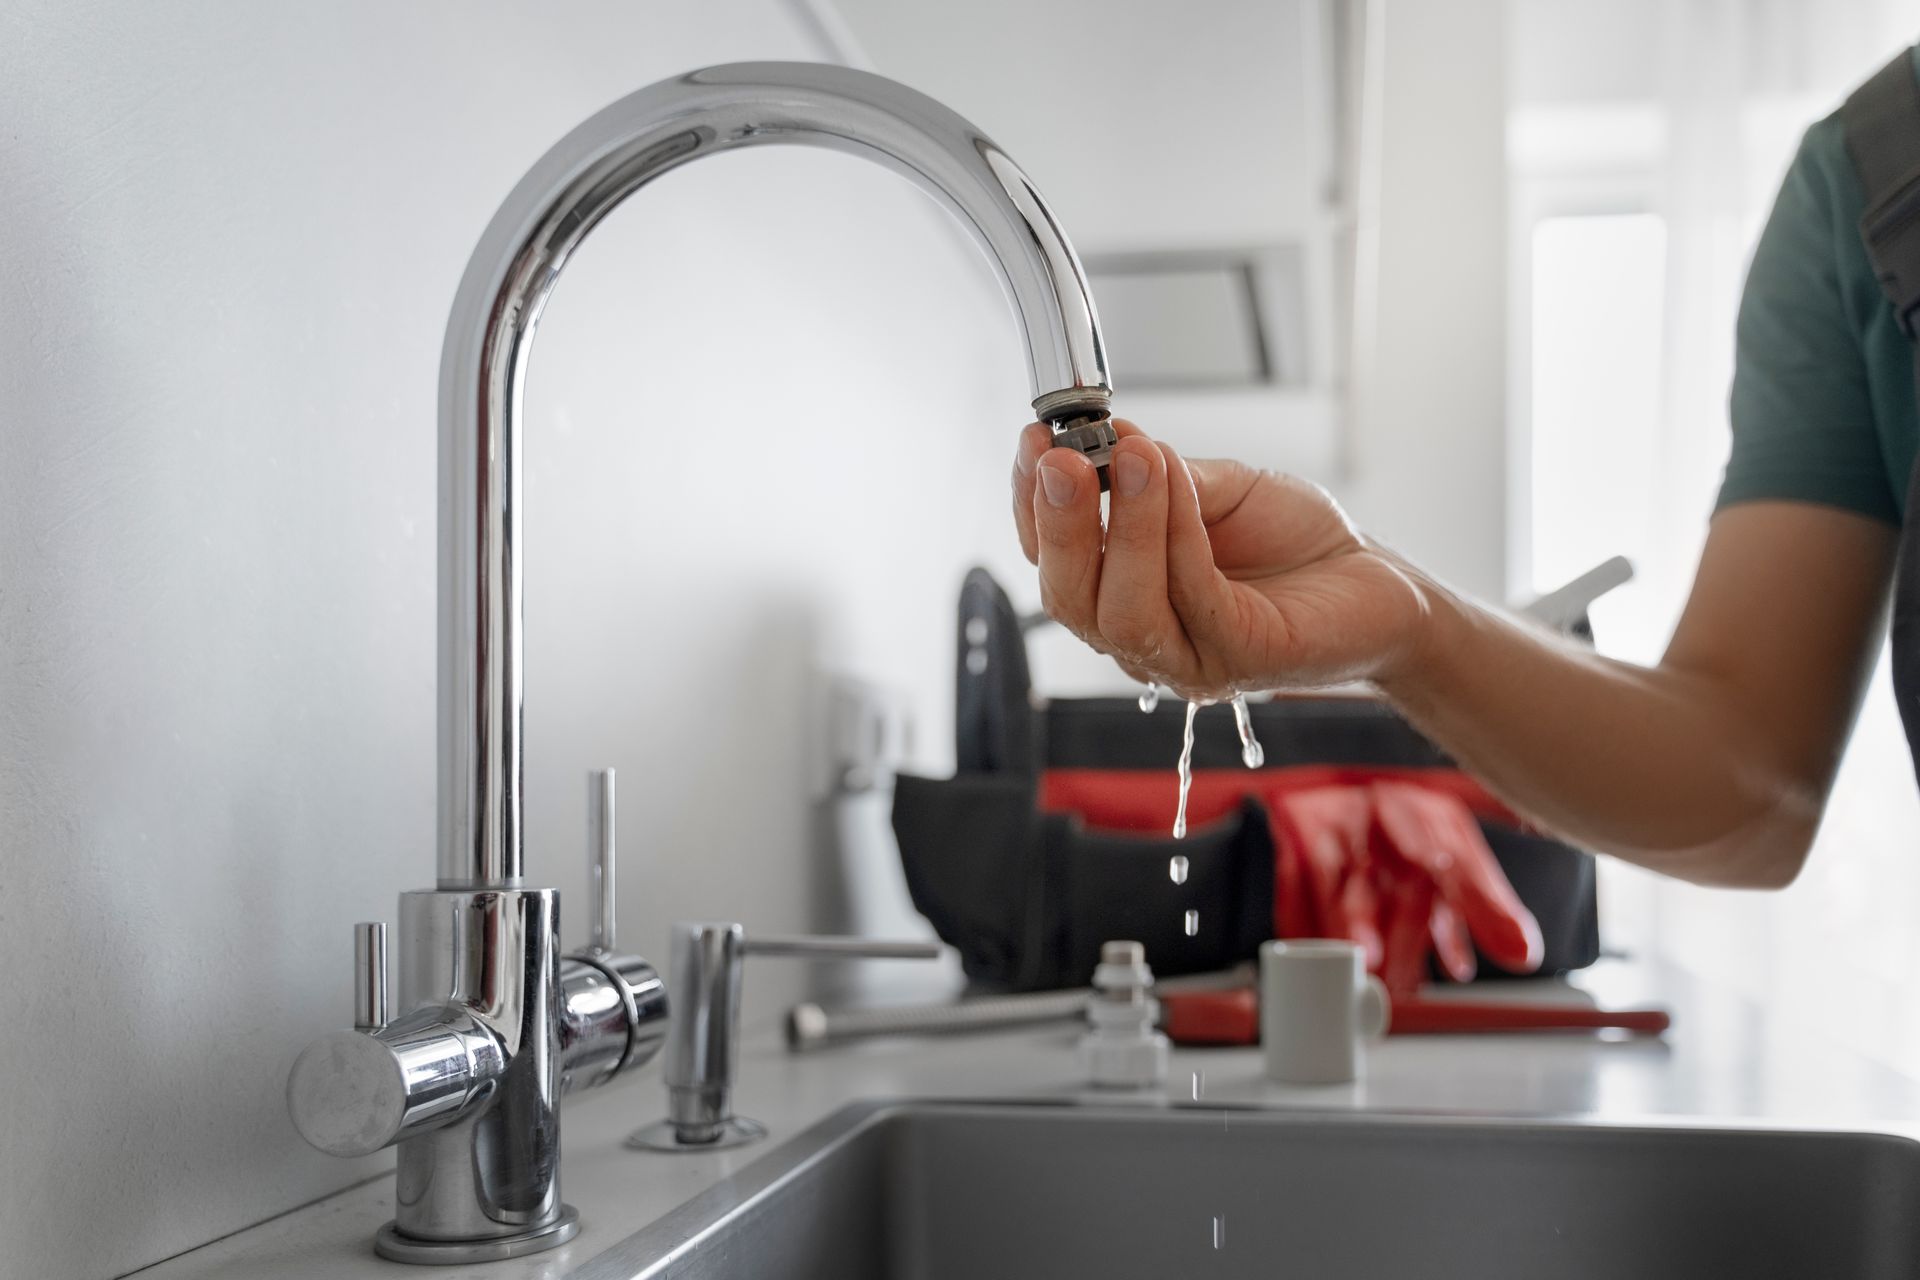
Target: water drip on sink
x=1219, y=1230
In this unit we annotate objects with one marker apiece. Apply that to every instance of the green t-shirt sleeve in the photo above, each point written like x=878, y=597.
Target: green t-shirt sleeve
x=1801, y=407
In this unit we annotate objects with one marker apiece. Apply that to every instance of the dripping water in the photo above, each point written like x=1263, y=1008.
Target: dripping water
x=1251, y=753
x=1186, y=773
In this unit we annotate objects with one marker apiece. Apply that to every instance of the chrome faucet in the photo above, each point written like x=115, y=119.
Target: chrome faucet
x=704, y=983
x=467, y=1078
x=498, y=1024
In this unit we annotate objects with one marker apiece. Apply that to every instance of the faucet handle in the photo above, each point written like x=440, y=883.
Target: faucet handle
x=369, y=975
x=613, y=1007
x=602, y=855
x=703, y=1040
x=350, y=1093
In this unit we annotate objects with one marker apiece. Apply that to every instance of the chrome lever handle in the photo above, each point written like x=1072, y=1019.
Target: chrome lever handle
x=613, y=1007
x=603, y=855
x=369, y=975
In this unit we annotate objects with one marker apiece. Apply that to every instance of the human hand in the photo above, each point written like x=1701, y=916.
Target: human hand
x=1211, y=578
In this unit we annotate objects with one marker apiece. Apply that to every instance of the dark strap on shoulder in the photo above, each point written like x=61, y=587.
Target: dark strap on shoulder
x=1882, y=120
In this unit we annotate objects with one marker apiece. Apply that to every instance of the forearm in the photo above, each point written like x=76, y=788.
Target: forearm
x=1665, y=767
x=1211, y=577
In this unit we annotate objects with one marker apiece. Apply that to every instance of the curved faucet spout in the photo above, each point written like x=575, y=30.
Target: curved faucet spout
x=562, y=198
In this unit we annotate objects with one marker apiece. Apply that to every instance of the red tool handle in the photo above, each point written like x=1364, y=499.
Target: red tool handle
x=1233, y=1017
x=1211, y=1017
x=1447, y=1017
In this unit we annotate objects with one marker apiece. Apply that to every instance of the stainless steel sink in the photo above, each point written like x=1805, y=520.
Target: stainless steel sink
x=962, y=1191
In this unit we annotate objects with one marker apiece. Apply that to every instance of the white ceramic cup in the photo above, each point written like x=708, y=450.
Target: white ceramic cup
x=1318, y=1009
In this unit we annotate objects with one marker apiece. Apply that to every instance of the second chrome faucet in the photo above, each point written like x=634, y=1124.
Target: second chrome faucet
x=702, y=1047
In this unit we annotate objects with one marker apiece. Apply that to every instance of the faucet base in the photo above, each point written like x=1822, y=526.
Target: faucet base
x=664, y=1135
x=394, y=1244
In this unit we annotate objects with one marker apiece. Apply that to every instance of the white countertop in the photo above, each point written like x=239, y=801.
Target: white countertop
x=1724, y=1061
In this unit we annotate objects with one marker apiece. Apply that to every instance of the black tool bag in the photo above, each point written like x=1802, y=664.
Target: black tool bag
x=1027, y=897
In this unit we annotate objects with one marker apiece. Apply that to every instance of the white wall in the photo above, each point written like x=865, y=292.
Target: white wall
x=769, y=423
x=1163, y=126
x=1427, y=471
x=1158, y=127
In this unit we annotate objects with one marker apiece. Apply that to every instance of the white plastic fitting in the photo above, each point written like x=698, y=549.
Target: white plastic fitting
x=1123, y=1048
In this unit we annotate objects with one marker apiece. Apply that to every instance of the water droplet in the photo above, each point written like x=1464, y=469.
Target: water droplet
x=1219, y=1230
x=1177, y=868
x=1193, y=923
x=1199, y=1084
x=1186, y=773
x=1150, y=696
x=1252, y=754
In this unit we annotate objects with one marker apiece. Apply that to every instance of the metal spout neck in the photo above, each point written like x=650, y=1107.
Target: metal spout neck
x=507, y=282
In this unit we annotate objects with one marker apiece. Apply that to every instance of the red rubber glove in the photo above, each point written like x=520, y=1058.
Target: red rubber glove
x=1475, y=904
x=1321, y=839
x=1402, y=870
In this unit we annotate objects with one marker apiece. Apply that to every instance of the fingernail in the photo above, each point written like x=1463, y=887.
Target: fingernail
x=1058, y=485
x=1130, y=473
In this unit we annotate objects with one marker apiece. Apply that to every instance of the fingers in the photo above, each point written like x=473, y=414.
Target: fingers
x=1221, y=486
x=1110, y=585
x=1195, y=587
x=1067, y=540
x=1133, y=613
x=1035, y=439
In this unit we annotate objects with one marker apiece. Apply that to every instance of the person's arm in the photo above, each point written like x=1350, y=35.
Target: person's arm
x=1713, y=766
